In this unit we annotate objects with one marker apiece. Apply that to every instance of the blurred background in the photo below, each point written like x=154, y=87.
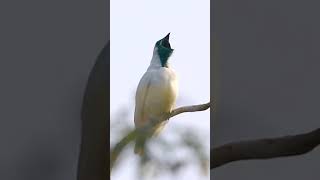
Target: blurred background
x=48, y=49
x=135, y=28
x=268, y=81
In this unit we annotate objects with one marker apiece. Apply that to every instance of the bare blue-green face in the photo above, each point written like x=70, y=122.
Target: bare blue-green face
x=164, y=50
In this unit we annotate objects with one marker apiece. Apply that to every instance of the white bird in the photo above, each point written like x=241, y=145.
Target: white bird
x=156, y=93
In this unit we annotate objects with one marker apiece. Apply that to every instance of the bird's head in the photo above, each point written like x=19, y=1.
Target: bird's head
x=163, y=49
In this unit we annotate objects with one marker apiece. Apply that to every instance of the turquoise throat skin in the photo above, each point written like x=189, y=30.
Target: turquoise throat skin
x=164, y=50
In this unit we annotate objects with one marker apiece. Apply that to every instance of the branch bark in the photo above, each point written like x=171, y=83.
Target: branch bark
x=201, y=107
x=265, y=148
x=114, y=154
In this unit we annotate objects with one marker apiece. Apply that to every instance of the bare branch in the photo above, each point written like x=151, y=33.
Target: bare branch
x=120, y=145
x=116, y=150
x=200, y=107
x=265, y=148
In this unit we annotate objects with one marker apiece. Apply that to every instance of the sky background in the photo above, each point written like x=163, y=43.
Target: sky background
x=135, y=28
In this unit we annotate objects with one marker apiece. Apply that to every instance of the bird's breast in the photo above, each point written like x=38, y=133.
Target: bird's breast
x=162, y=92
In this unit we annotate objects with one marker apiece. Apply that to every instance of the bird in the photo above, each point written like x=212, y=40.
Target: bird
x=155, y=95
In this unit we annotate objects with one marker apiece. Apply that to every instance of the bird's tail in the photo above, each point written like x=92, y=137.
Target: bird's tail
x=139, y=144
x=142, y=138
x=138, y=150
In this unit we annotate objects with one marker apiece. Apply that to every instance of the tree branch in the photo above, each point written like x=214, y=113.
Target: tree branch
x=201, y=107
x=264, y=148
x=132, y=135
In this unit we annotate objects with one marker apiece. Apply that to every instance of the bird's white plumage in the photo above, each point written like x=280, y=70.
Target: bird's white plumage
x=156, y=93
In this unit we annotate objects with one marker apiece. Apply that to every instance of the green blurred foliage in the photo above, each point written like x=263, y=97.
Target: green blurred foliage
x=162, y=155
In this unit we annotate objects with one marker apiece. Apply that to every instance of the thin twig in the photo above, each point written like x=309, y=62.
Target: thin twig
x=194, y=108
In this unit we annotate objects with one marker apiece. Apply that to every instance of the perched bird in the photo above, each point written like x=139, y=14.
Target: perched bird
x=156, y=94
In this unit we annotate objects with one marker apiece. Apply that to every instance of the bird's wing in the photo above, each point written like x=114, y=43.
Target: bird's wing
x=140, y=117
x=141, y=96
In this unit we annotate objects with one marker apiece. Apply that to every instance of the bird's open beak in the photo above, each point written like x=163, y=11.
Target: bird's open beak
x=165, y=42
x=167, y=37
